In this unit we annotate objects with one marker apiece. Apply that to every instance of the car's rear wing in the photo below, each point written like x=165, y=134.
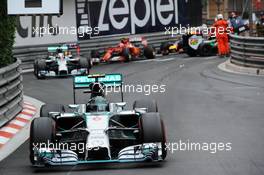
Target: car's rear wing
x=73, y=47
x=138, y=41
x=54, y=49
x=109, y=80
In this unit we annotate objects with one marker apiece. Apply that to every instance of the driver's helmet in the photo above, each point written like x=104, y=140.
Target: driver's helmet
x=59, y=50
x=219, y=16
x=233, y=14
x=124, y=40
x=97, y=89
x=60, y=53
x=262, y=15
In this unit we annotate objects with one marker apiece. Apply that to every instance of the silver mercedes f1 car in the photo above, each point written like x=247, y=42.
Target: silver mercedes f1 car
x=98, y=131
x=62, y=60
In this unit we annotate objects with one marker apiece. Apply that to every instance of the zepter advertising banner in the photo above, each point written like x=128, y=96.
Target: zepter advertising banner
x=48, y=29
x=130, y=16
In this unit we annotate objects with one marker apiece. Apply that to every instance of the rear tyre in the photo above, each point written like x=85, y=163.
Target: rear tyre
x=164, y=49
x=85, y=63
x=205, y=50
x=191, y=52
x=152, y=130
x=180, y=46
x=150, y=105
x=149, y=52
x=126, y=55
x=45, y=109
x=42, y=131
x=95, y=54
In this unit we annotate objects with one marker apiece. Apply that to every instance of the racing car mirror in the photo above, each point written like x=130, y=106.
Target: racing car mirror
x=54, y=114
x=73, y=106
x=123, y=104
x=116, y=107
x=141, y=110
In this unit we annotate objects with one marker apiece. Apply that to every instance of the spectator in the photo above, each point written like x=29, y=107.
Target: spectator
x=237, y=23
x=260, y=26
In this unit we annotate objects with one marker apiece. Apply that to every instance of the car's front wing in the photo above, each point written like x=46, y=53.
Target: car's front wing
x=53, y=74
x=137, y=153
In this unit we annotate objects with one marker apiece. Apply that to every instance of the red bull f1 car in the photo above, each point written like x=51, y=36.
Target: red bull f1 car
x=171, y=47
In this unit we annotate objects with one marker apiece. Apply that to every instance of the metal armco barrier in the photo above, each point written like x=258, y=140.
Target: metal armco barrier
x=28, y=54
x=247, y=51
x=11, y=94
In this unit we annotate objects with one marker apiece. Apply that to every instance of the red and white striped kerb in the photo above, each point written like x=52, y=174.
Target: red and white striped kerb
x=14, y=126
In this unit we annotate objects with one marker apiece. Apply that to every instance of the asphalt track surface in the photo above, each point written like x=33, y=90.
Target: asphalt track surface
x=201, y=104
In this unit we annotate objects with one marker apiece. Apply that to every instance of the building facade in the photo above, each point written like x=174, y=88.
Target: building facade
x=212, y=7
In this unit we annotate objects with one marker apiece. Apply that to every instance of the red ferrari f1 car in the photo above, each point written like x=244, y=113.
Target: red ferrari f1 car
x=127, y=50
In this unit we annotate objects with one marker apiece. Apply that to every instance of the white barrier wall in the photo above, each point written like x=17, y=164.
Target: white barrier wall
x=57, y=29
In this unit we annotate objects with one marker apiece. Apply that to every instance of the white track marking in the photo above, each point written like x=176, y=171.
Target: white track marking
x=19, y=123
x=9, y=130
x=3, y=140
x=26, y=117
x=28, y=111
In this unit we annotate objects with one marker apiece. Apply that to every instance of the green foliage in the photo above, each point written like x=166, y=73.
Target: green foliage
x=7, y=35
x=204, y=3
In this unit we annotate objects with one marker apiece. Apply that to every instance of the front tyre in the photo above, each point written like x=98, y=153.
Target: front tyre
x=152, y=130
x=42, y=133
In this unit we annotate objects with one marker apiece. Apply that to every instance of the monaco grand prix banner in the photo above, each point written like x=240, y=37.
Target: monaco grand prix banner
x=112, y=17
